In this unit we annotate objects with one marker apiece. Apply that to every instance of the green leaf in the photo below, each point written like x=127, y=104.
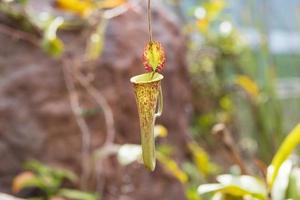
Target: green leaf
x=172, y=167
x=244, y=181
x=53, y=47
x=285, y=150
x=51, y=43
x=192, y=194
x=42, y=169
x=50, y=178
x=36, y=166
x=77, y=195
x=228, y=189
x=25, y=180
x=236, y=186
x=165, y=149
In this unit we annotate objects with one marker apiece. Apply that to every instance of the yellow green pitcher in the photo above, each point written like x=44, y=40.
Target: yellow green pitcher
x=149, y=99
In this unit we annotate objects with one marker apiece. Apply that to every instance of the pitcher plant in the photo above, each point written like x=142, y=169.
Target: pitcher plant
x=149, y=97
x=149, y=101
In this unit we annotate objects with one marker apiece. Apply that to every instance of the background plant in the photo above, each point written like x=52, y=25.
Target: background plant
x=44, y=182
x=223, y=71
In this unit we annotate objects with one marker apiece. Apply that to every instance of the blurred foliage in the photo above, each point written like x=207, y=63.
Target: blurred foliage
x=281, y=178
x=237, y=186
x=51, y=43
x=286, y=148
x=201, y=160
x=215, y=60
x=87, y=13
x=226, y=88
x=49, y=181
x=172, y=167
x=248, y=85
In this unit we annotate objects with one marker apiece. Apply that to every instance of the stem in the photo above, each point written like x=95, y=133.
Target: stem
x=149, y=21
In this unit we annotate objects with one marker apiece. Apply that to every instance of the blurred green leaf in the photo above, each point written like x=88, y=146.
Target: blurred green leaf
x=236, y=186
x=293, y=191
x=228, y=189
x=206, y=120
x=285, y=150
x=24, y=180
x=171, y=166
x=257, y=185
x=226, y=103
x=248, y=85
x=51, y=43
x=77, y=195
x=201, y=159
x=165, y=149
x=53, y=47
x=44, y=177
x=44, y=170
x=192, y=194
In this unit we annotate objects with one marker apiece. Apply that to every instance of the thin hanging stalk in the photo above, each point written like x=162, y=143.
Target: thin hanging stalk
x=149, y=21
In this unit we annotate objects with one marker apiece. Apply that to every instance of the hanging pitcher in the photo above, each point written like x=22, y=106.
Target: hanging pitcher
x=149, y=99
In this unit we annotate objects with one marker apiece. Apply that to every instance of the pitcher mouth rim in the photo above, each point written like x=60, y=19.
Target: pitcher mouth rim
x=143, y=78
